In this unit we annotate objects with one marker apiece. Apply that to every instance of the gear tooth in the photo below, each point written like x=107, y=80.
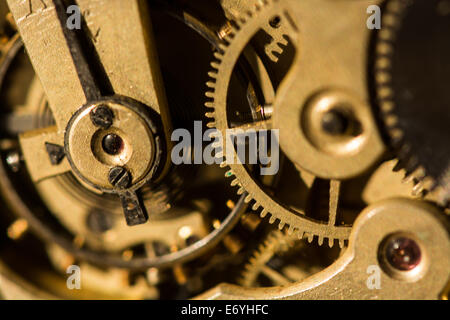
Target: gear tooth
x=281, y=225
x=209, y=104
x=386, y=34
x=209, y=114
x=248, y=199
x=408, y=178
x=341, y=243
x=255, y=206
x=212, y=74
x=391, y=120
x=210, y=84
x=384, y=92
x=272, y=219
x=418, y=188
x=387, y=106
x=291, y=230
x=277, y=50
x=309, y=236
x=230, y=36
x=209, y=94
x=428, y=184
x=382, y=63
x=330, y=242
x=382, y=78
x=384, y=48
x=390, y=21
x=222, y=164
x=443, y=197
x=218, y=55
x=223, y=47
x=395, y=7
x=320, y=240
x=211, y=125
x=234, y=183
x=240, y=191
x=215, y=65
x=263, y=213
x=420, y=173
x=396, y=137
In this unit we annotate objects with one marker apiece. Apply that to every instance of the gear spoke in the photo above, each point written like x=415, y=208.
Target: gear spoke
x=335, y=186
x=262, y=125
x=277, y=278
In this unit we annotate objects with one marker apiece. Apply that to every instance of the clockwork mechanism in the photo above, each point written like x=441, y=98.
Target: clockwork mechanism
x=226, y=149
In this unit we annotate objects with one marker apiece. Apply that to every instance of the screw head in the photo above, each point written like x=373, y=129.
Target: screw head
x=102, y=116
x=403, y=253
x=119, y=177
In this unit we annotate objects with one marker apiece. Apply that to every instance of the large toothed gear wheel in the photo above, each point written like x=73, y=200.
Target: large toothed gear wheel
x=412, y=75
x=236, y=41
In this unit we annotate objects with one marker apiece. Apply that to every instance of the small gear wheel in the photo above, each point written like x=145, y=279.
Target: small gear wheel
x=412, y=74
x=239, y=36
x=282, y=259
x=276, y=242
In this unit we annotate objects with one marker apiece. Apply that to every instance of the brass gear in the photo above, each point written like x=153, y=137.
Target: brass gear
x=275, y=27
x=276, y=242
x=413, y=111
x=283, y=259
x=238, y=37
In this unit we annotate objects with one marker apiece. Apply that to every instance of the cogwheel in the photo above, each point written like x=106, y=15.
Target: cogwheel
x=276, y=242
x=275, y=27
x=282, y=259
x=241, y=33
x=413, y=97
